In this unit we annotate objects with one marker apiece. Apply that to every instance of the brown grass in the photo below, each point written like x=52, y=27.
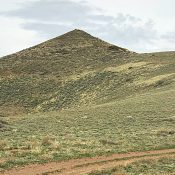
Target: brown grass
x=3, y=145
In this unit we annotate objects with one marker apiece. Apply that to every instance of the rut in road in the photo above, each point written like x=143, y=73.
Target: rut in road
x=86, y=165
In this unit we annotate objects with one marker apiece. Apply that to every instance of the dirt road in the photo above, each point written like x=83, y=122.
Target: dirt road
x=86, y=165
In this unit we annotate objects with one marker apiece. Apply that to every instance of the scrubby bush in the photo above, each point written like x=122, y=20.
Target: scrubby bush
x=3, y=145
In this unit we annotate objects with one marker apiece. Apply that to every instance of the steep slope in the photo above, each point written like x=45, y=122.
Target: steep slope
x=77, y=69
x=70, y=53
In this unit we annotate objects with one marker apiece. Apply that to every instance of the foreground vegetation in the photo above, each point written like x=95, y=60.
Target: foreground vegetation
x=141, y=122
x=163, y=166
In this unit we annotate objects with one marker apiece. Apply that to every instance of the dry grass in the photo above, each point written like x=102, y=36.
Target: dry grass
x=157, y=79
x=126, y=67
x=32, y=144
x=47, y=141
x=165, y=132
x=50, y=142
x=3, y=145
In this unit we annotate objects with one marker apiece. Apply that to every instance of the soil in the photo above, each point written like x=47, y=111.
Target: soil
x=87, y=165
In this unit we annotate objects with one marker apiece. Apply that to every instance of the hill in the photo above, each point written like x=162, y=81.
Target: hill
x=77, y=69
x=77, y=96
x=56, y=73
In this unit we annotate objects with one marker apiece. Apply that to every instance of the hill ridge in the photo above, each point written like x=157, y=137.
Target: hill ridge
x=77, y=69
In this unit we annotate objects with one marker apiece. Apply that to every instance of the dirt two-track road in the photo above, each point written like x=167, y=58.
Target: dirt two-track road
x=86, y=165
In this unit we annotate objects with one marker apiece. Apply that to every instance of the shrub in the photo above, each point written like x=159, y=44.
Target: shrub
x=3, y=145
x=47, y=141
x=50, y=142
x=33, y=144
x=165, y=132
x=55, y=145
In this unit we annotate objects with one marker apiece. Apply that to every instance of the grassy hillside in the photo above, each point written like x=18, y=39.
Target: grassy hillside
x=77, y=96
x=77, y=69
x=53, y=69
x=141, y=122
x=163, y=166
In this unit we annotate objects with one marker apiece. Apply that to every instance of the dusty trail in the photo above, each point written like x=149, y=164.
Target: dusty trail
x=86, y=165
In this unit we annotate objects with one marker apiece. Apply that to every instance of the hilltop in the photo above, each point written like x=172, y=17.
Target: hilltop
x=62, y=56
x=77, y=69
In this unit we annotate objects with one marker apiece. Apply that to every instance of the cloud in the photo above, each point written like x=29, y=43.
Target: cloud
x=136, y=35
x=50, y=18
x=13, y=37
x=169, y=36
x=52, y=11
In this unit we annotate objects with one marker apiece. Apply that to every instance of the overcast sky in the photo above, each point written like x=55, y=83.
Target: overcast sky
x=139, y=25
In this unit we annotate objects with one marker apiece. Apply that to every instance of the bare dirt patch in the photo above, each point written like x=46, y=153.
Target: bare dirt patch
x=87, y=165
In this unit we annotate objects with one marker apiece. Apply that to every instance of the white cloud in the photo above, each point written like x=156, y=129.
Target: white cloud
x=125, y=23
x=13, y=37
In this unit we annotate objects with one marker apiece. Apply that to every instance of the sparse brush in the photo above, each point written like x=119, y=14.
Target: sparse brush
x=47, y=141
x=36, y=150
x=46, y=157
x=32, y=144
x=51, y=143
x=165, y=132
x=3, y=145
x=55, y=145
x=169, y=119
